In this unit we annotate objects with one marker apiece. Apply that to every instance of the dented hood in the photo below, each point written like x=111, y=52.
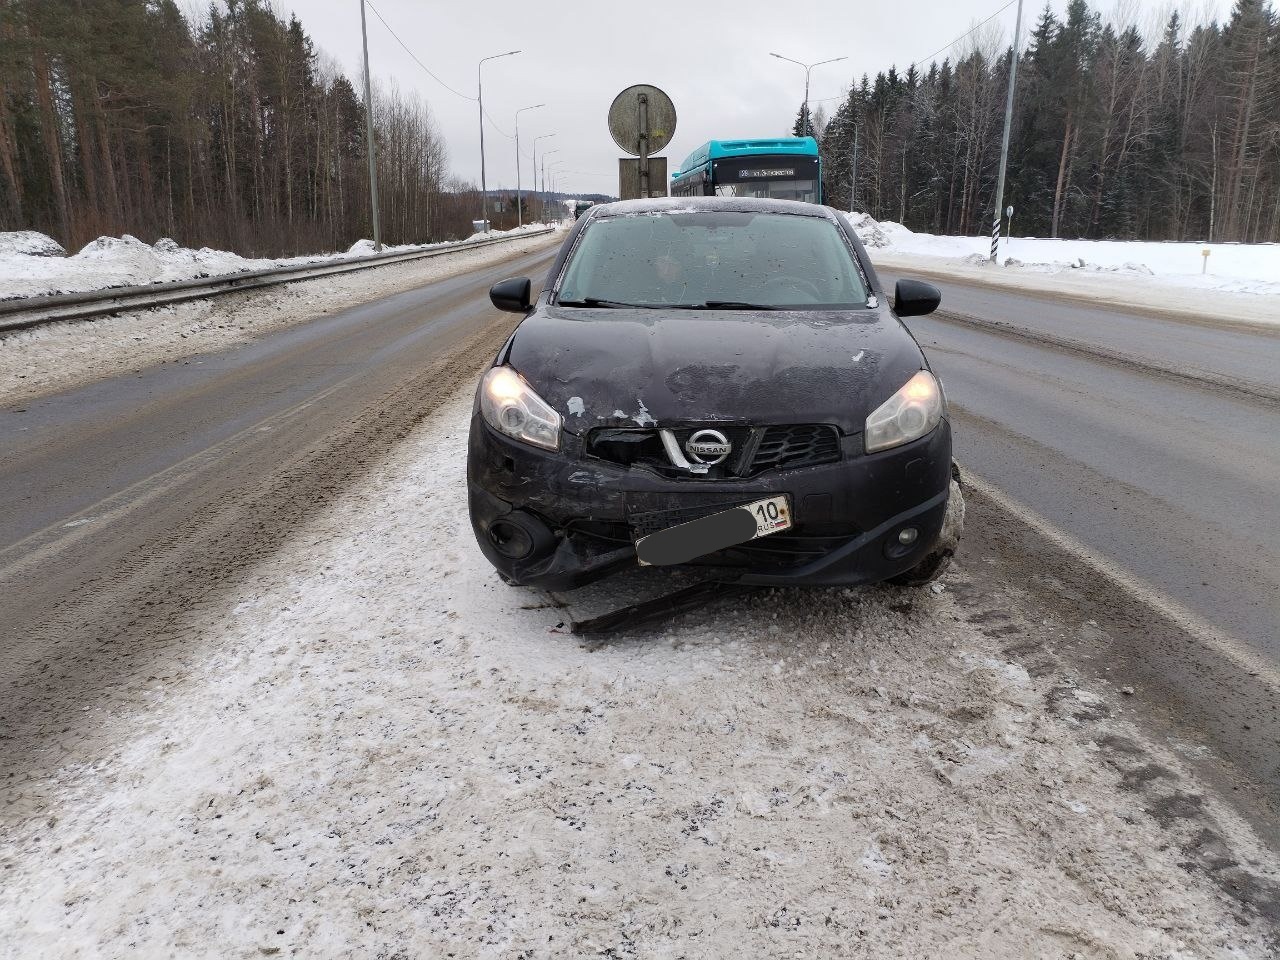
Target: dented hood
x=624, y=367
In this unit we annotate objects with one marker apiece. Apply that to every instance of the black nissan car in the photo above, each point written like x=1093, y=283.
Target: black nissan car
x=716, y=382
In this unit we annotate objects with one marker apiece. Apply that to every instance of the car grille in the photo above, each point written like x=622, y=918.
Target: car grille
x=779, y=550
x=805, y=445
x=651, y=521
x=755, y=449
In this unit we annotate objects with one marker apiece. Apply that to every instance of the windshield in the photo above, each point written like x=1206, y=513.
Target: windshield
x=713, y=260
x=803, y=190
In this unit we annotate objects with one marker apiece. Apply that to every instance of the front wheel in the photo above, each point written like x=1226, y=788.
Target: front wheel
x=937, y=560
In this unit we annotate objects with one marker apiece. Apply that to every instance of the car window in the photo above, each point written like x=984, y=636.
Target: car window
x=705, y=258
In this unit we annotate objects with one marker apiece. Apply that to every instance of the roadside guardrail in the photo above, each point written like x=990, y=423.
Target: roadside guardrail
x=23, y=313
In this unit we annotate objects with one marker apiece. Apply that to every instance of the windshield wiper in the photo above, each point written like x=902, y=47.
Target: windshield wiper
x=609, y=304
x=733, y=305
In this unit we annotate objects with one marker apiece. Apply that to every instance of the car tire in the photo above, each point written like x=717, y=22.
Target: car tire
x=937, y=560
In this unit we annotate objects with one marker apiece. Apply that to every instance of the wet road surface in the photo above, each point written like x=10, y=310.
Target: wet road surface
x=1157, y=465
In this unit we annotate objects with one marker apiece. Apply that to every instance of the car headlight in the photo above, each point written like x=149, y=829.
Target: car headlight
x=510, y=406
x=908, y=415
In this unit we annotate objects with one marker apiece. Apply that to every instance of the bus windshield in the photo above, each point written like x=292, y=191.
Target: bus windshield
x=713, y=260
x=805, y=190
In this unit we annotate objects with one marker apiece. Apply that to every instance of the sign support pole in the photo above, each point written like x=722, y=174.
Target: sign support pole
x=643, y=100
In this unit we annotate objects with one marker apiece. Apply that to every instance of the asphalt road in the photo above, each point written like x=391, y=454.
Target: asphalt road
x=129, y=500
x=1155, y=443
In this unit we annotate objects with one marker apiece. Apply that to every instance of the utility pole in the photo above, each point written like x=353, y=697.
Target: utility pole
x=853, y=182
x=808, y=67
x=368, y=131
x=519, y=207
x=484, y=193
x=1004, y=144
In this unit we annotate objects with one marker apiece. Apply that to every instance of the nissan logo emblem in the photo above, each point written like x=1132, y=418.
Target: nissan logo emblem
x=708, y=446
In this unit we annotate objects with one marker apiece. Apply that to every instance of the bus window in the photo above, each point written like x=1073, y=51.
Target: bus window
x=804, y=190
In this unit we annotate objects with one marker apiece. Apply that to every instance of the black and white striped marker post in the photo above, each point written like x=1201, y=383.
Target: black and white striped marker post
x=995, y=239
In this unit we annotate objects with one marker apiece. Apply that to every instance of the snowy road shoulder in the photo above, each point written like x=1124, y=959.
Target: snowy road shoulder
x=32, y=264
x=63, y=355
x=373, y=747
x=1239, y=282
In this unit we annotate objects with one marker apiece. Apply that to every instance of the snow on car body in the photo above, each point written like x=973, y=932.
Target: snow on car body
x=718, y=382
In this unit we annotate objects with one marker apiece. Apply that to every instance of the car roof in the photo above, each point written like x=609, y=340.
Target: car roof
x=622, y=208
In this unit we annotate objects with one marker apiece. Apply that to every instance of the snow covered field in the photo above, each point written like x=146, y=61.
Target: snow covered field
x=32, y=264
x=1242, y=281
x=372, y=747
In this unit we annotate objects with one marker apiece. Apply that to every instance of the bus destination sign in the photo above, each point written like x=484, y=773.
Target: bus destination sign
x=749, y=174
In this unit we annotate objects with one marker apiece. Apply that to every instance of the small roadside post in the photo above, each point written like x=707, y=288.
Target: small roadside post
x=1204, y=260
x=1008, y=229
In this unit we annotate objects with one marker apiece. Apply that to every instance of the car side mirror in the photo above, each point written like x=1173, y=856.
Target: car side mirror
x=915, y=298
x=512, y=295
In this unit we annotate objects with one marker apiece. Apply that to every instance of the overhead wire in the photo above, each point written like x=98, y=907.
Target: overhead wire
x=974, y=29
x=429, y=73
x=414, y=56
x=923, y=60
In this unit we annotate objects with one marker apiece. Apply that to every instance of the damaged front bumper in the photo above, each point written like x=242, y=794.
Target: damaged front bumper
x=559, y=520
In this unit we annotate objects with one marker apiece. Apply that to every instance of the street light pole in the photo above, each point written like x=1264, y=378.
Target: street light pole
x=519, y=208
x=554, y=171
x=808, y=67
x=1004, y=144
x=545, y=154
x=368, y=132
x=484, y=192
x=541, y=136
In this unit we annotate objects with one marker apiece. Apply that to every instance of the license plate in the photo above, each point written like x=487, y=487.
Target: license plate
x=688, y=541
x=772, y=515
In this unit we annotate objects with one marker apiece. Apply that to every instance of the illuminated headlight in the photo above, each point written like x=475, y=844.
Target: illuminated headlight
x=908, y=415
x=510, y=406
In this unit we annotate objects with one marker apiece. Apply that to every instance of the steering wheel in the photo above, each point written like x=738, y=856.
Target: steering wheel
x=795, y=283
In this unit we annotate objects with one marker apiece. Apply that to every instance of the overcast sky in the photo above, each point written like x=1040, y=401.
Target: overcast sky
x=711, y=58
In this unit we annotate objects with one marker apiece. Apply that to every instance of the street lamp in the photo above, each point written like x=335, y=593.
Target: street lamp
x=808, y=127
x=484, y=194
x=545, y=154
x=541, y=136
x=519, y=209
x=554, y=171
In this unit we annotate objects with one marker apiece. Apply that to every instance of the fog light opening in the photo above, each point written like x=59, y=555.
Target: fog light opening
x=510, y=540
x=908, y=535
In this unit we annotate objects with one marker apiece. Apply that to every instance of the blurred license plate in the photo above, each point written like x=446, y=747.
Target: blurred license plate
x=688, y=541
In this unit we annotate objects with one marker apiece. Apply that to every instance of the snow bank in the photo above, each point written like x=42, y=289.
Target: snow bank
x=32, y=264
x=1232, y=267
x=504, y=233
x=32, y=243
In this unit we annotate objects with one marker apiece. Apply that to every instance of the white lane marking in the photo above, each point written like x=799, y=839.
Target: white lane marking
x=82, y=520
x=1230, y=648
x=858, y=356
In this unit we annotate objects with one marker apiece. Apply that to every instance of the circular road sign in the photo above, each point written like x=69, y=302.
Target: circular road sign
x=624, y=118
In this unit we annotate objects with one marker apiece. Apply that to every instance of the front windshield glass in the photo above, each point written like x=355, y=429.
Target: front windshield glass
x=805, y=191
x=713, y=259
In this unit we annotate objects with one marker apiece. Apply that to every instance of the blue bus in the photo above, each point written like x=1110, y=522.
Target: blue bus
x=784, y=168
